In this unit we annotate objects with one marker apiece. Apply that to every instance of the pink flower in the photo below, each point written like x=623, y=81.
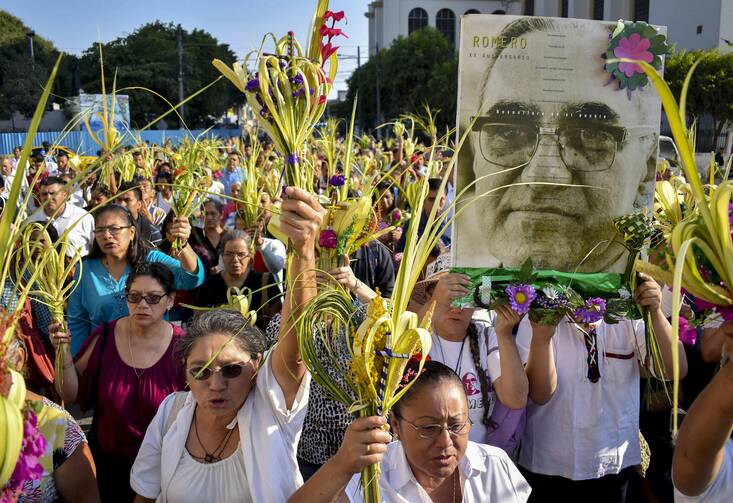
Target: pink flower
x=328, y=239
x=633, y=47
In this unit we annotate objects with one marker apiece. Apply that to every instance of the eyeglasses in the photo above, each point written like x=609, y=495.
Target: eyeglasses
x=113, y=229
x=151, y=299
x=231, y=371
x=433, y=430
x=583, y=147
x=237, y=255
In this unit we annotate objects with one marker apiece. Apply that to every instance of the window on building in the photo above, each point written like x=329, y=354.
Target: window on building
x=445, y=22
x=472, y=11
x=417, y=19
x=563, y=8
x=598, y=9
x=641, y=10
x=529, y=8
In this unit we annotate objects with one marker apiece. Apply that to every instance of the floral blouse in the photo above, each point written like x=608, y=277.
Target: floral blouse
x=63, y=435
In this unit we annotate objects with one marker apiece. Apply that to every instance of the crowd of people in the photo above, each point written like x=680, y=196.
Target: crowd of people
x=191, y=401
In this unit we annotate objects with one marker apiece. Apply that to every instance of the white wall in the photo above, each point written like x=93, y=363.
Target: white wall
x=395, y=13
x=682, y=18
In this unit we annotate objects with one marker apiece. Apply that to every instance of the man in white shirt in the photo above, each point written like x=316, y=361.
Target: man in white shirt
x=582, y=434
x=77, y=223
x=702, y=467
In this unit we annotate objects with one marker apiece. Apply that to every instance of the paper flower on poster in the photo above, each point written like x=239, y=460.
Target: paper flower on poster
x=638, y=41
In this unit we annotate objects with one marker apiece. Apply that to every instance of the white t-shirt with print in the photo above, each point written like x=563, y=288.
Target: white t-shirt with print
x=457, y=355
x=721, y=490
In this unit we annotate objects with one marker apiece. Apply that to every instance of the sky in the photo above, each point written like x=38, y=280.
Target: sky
x=74, y=25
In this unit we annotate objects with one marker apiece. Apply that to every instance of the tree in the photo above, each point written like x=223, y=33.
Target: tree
x=420, y=69
x=22, y=81
x=149, y=58
x=711, y=87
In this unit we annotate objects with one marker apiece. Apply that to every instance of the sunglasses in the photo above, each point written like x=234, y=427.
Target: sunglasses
x=151, y=299
x=231, y=371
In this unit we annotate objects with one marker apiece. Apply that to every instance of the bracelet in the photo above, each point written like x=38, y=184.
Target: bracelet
x=357, y=285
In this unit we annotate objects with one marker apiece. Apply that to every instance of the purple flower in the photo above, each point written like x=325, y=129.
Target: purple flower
x=593, y=311
x=396, y=215
x=337, y=180
x=297, y=80
x=521, y=297
x=28, y=466
x=297, y=94
x=633, y=47
x=328, y=239
x=252, y=86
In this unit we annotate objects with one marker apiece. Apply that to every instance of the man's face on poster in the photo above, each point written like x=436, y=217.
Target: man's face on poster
x=545, y=130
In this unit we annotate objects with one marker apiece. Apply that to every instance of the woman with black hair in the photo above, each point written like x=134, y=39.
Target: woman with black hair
x=432, y=460
x=117, y=249
x=124, y=371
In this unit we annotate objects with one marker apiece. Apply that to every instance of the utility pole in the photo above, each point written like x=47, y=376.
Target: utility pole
x=30, y=36
x=379, y=97
x=180, y=71
x=360, y=119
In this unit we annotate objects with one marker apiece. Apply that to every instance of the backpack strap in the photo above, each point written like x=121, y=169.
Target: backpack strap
x=178, y=401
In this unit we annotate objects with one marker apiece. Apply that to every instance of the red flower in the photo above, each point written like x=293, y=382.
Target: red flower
x=327, y=50
x=332, y=32
x=336, y=16
x=322, y=99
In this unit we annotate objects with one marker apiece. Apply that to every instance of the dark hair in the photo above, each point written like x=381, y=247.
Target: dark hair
x=221, y=321
x=61, y=153
x=164, y=177
x=434, y=183
x=132, y=187
x=155, y=270
x=217, y=204
x=38, y=158
x=51, y=180
x=473, y=345
x=137, y=250
x=48, y=226
x=433, y=373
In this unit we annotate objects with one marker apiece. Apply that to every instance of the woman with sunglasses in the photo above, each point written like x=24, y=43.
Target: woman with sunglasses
x=117, y=249
x=233, y=437
x=432, y=459
x=123, y=372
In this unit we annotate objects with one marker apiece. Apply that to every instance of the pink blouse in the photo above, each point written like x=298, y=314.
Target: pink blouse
x=125, y=403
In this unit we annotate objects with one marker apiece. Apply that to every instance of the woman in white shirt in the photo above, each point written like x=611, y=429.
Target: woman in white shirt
x=581, y=439
x=483, y=354
x=432, y=462
x=233, y=437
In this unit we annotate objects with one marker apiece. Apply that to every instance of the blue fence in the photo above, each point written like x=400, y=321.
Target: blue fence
x=81, y=141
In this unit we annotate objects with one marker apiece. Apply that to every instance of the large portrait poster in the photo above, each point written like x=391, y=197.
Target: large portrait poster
x=556, y=150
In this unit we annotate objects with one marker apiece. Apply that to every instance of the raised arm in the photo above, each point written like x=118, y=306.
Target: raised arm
x=649, y=294
x=541, y=370
x=512, y=386
x=364, y=444
x=300, y=221
x=704, y=433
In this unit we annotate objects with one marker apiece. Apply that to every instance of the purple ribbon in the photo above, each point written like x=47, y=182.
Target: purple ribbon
x=292, y=159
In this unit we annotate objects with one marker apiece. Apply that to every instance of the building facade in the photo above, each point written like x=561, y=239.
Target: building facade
x=691, y=24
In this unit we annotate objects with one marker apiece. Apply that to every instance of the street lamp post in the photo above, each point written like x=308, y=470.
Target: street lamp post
x=30, y=36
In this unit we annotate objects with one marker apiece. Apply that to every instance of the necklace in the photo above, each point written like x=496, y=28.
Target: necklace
x=132, y=357
x=214, y=456
x=457, y=368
